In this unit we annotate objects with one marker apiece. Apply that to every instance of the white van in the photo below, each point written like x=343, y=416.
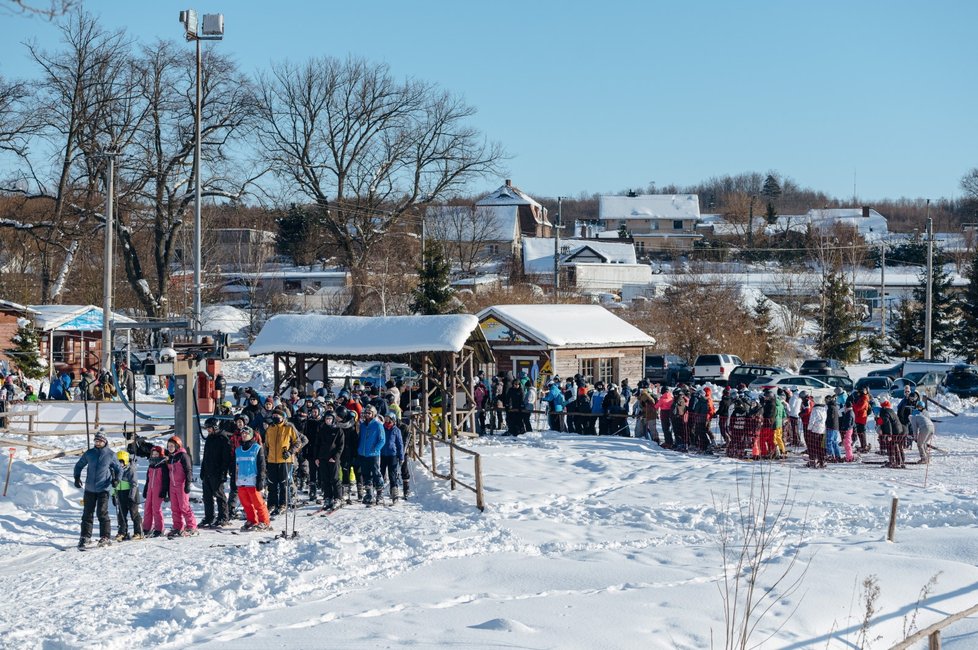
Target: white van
x=926, y=366
x=715, y=367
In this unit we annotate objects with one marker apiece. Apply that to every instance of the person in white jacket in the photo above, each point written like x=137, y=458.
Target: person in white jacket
x=923, y=430
x=794, y=417
x=815, y=438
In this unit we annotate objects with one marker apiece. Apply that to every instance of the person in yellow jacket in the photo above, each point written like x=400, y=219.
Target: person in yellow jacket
x=281, y=444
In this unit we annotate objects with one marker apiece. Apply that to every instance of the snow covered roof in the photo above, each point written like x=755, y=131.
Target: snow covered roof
x=538, y=252
x=872, y=227
x=483, y=223
x=17, y=307
x=350, y=337
x=508, y=194
x=77, y=318
x=585, y=326
x=649, y=206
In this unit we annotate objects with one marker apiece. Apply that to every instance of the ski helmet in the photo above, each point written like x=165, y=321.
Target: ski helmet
x=123, y=457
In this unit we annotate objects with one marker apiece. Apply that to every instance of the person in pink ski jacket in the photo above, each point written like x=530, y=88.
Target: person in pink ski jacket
x=664, y=406
x=181, y=476
x=154, y=491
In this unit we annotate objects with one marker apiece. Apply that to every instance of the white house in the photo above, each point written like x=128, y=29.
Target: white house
x=590, y=265
x=657, y=222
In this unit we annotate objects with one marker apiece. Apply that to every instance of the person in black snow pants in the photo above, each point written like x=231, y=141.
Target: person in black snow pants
x=125, y=497
x=214, y=471
x=391, y=456
x=346, y=421
x=328, y=458
x=102, y=475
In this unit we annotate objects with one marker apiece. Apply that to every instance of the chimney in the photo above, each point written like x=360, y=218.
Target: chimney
x=509, y=183
x=865, y=212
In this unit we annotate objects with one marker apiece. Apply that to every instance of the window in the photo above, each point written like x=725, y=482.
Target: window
x=640, y=246
x=291, y=285
x=677, y=224
x=606, y=370
x=493, y=249
x=587, y=369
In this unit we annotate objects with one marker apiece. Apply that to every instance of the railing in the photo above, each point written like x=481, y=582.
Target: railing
x=933, y=633
x=418, y=439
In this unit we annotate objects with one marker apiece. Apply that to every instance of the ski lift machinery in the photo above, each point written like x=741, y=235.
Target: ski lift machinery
x=185, y=357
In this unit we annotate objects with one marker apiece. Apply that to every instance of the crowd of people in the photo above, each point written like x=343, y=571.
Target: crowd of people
x=707, y=418
x=261, y=457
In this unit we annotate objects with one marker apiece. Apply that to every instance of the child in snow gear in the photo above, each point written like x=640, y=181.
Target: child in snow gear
x=391, y=456
x=154, y=492
x=126, y=499
x=102, y=475
x=249, y=477
x=891, y=435
x=181, y=476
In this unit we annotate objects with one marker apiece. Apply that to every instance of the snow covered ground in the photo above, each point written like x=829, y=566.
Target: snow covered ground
x=586, y=542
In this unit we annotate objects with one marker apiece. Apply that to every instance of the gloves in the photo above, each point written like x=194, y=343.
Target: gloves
x=115, y=501
x=286, y=454
x=78, y=483
x=186, y=488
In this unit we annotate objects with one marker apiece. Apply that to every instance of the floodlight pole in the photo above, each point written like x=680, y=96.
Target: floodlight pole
x=194, y=33
x=929, y=306
x=108, y=257
x=557, y=228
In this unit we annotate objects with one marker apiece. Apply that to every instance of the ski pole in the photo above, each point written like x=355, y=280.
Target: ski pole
x=10, y=462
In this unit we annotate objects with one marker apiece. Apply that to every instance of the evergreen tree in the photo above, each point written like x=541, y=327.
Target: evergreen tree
x=943, y=324
x=623, y=232
x=905, y=339
x=967, y=340
x=766, y=348
x=771, y=191
x=299, y=234
x=876, y=346
x=26, y=353
x=837, y=335
x=434, y=294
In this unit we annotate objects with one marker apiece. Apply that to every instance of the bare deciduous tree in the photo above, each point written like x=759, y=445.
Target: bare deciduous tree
x=366, y=148
x=467, y=234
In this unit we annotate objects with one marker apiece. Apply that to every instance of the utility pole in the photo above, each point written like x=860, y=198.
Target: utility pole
x=557, y=228
x=929, y=306
x=108, y=258
x=883, y=290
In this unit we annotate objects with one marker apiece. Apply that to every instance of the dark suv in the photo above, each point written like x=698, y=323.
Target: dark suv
x=823, y=367
x=962, y=381
x=667, y=369
x=748, y=373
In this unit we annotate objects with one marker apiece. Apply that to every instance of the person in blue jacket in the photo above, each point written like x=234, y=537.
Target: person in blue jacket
x=555, y=399
x=392, y=455
x=372, y=439
x=102, y=475
x=60, y=387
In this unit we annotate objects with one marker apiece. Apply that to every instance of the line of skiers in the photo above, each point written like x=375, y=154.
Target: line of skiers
x=323, y=445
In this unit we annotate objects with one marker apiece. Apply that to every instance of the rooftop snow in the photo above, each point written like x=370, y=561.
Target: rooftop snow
x=649, y=206
x=358, y=336
x=570, y=325
x=81, y=318
x=483, y=223
x=508, y=195
x=538, y=252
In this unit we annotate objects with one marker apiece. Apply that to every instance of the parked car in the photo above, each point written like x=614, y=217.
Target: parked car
x=715, y=367
x=836, y=381
x=794, y=383
x=746, y=374
x=962, y=381
x=893, y=372
x=925, y=383
x=374, y=374
x=823, y=367
x=905, y=368
x=878, y=386
x=667, y=369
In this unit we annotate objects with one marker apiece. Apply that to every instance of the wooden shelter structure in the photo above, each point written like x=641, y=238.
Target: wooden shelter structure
x=447, y=348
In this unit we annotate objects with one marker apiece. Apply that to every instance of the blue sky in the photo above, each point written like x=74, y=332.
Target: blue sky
x=603, y=96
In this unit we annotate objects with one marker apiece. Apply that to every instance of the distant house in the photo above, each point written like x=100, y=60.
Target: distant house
x=495, y=225
x=243, y=249
x=656, y=222
x=300, y=287
x=590, y=265
x=71, y=335
x=867, y=222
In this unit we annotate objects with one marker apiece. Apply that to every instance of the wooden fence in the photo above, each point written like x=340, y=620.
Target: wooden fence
x=419, y=440
x=933, y=633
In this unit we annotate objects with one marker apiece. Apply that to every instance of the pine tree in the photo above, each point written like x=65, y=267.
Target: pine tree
x=771, y=191
x=905, y=339
x=26, y=353
x=766, y=334
x=837, y=336
x=876, y=346
x=299, y=234
x=434, y=294
x=967, y=340
x=623, y=232
x=943, y=324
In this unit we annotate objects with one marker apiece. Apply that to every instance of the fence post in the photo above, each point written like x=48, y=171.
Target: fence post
x=431, y=441
x=451, y=463
x=97, y=413
x=479, y=500
x=893, y=514
x=30, y=437
x=934, y=641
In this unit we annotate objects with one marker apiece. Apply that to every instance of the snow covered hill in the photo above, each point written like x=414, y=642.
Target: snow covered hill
x=586, y=542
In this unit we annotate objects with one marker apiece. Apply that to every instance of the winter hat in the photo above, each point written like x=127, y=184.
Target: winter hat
x=581, y=391
x=175, y=440
x=885, y=404
x=157, y=449
x=123, y=457
x=100, y=436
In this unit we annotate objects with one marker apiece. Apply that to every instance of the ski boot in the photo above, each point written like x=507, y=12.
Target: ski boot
x=105, y=541
x=175, y=532
x=348, y=491
x=393, y=494
x=368, y=499
x=84, y=543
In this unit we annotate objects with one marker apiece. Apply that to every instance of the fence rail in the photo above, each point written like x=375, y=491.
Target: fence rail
x=419, y=439
x=933, y=633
